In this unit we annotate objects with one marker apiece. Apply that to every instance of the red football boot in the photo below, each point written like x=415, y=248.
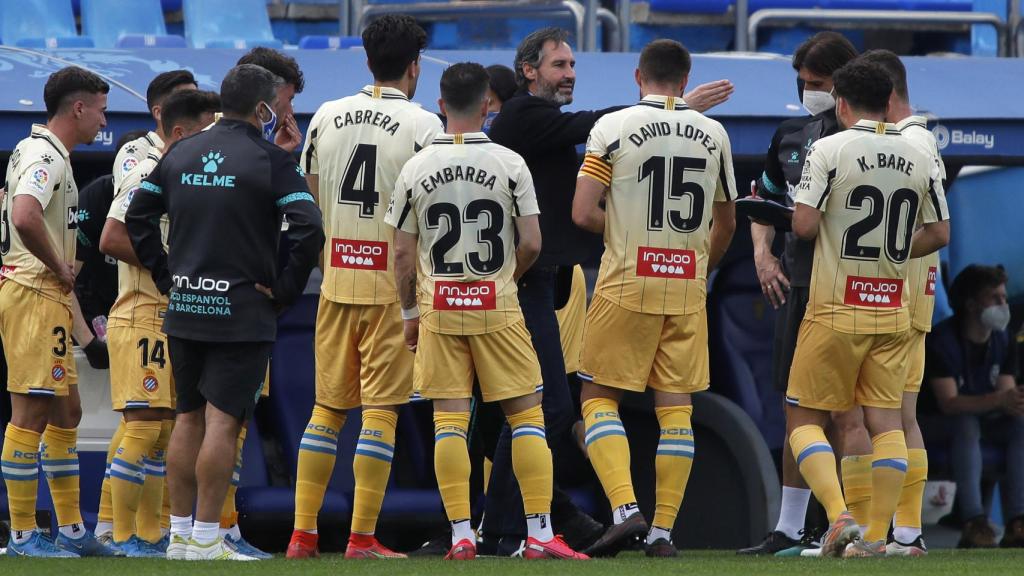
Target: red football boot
x=303, y=545
x=366, y=547
x=465, y=549
x=554, y=549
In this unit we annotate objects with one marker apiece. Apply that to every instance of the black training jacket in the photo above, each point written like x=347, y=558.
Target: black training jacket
x=225, y=191
x=782, y=169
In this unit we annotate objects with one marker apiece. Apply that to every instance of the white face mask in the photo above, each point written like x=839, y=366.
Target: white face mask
x=816, y=101
x=996, y=317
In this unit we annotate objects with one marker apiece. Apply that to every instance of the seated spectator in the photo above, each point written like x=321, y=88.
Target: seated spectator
x=970, y=366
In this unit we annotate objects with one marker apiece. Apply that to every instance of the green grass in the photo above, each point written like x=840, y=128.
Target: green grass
x=690, y=563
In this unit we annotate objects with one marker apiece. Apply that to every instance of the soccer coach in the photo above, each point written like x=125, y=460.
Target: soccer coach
x=532, y=125
x=224, y=191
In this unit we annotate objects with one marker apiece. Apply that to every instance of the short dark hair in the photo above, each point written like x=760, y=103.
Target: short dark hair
x=531, y=49
x=664, y=61
x=129, y=136
x=463, y=86
x=63, y=85
x=892, y=64
x=165, y=83
x=971, y=281
x=392, y=42
x=503, y=81
x=824, y=53
x=187, y=106
x=245, y=86
x=864, y=85
x=279, y=64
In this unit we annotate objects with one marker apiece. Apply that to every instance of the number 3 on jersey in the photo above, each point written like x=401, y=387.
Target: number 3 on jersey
x=358, y=185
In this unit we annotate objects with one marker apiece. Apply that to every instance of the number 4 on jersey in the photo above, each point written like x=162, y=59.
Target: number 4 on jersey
x=358, y=186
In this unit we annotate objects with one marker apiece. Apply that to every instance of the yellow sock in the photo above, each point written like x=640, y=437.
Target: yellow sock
x=608, y=449
x=20, y=465
x=451, y=462
x=531, y=460
x=487, y=473
x=908, y=510
x=147, y=518
x=59, y=457
x=857, y=487
x=165, y=510
x=165, y=506
x=228, y=511
x=317, y=452
x=372, y=466
x=888, y=469
x=106, y=512
x=817, y=465
x=128, y=475
x=672, y=463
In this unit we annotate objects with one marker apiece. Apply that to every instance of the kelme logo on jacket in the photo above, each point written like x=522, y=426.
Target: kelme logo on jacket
x=211, y=162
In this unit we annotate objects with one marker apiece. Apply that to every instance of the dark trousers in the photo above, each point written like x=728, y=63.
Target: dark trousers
x=504, y=511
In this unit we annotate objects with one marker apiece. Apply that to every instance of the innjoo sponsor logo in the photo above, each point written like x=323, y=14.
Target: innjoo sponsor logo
x=465, y=295
x=929, y=285
x=874, y=292
x=666, y=263
x=359, y=254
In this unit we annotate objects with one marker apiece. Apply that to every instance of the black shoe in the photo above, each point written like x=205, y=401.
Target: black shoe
x=618, y=537
x=438, y=546
x=581, y=531
x=660, y=548
x=775, y=542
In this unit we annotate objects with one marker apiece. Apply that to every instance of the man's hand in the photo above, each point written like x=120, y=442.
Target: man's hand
x=412, y=333
x=97, y=354
x=1011, y=400
x=774, y=283
x=707, y=96
x=288, y=136
x=66, y=277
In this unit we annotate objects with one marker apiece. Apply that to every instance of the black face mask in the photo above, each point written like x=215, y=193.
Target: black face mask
x=800, y=89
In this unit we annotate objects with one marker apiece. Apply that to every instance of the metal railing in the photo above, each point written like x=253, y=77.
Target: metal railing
x=585, y=19
x=875, y=17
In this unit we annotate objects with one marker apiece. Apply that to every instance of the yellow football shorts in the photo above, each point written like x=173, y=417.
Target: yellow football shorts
x=265, y=391
x=36, y=332
x=631, y=350
x=915, y=364
x=571, y=318
x=361, y=358
x=503, y=361
x=836, y=371
x=140, y=368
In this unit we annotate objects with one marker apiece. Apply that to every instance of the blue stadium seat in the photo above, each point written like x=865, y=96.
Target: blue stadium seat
x=918, y=5
x=209, y=22
x=50, y=21
x=691, y=6
x=242, y=44
x=52, y=43
x=107, y=20
x=151, y=41
x=741, y=327
x=291, y=402
x=330, y=42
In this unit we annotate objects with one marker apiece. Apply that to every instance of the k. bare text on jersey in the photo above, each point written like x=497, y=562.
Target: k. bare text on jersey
x=680, y=130
x=889, y=161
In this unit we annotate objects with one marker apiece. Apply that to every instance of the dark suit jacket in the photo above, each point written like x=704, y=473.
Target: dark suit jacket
x=546, y=138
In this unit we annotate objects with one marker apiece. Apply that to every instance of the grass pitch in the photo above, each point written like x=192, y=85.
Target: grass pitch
x=690, y=563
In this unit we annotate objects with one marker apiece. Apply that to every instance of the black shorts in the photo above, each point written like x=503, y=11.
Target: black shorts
x=787, y=327
x=229, y=375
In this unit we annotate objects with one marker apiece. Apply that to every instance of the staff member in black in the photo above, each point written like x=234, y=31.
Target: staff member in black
x=532, y=124
x=224, y=191
x=786, y=281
